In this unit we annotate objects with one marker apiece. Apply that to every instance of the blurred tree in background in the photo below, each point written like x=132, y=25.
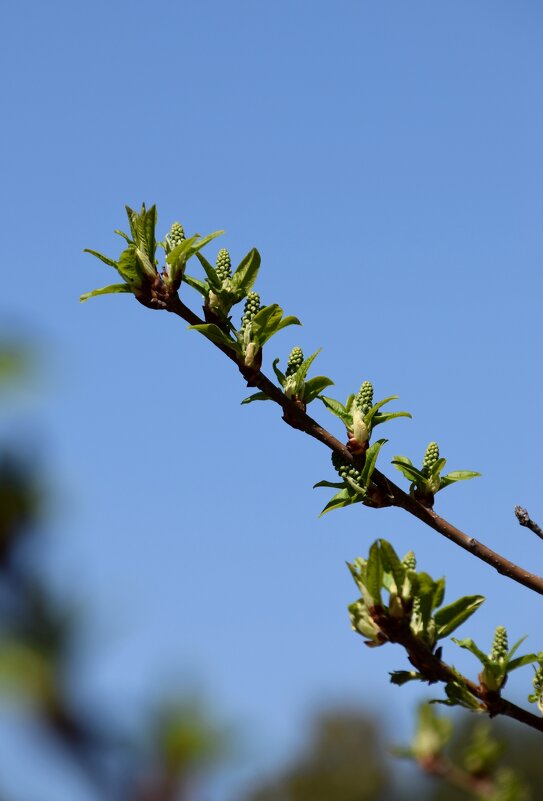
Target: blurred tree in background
x=38, y=640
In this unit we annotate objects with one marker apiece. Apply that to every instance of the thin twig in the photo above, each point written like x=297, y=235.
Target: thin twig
x=295, y=417
x=525, y=520
x=431, y=666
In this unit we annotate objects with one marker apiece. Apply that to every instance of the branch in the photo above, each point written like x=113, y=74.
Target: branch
x=431, y=666
x=525, y=520
x=297, y=418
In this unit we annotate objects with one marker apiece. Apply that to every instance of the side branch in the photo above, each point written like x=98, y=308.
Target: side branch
x=430, y=665
x=525, y=520
x=299, y=419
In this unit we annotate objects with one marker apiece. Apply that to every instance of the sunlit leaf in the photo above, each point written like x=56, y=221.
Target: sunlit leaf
x=450, y=617
x=103, y=258
x=247, y=271
x=112, y=289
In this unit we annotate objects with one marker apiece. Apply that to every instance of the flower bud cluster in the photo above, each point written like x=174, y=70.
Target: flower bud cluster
x=409, y=561
x=252, y=307
x=500, y=645
x=223, y=265
x=345, y=469
x=295, y=361
x=176, y=235
x=430, y=458
x=364, y=399
x=537, y=681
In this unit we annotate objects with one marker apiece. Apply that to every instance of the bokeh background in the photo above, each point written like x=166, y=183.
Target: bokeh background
x=385, y=158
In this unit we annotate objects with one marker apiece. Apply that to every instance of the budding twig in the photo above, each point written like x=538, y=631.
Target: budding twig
x=525, y=520
x=297, y=418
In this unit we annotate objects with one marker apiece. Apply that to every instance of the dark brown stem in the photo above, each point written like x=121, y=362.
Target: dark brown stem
x=394, y=495
x=525, y=520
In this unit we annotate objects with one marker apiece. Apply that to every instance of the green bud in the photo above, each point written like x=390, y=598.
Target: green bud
x=537, y=696
x=223, y=265
x=364, y=399
x=175, y=236
x=252, y=307
x=345, y=469
x=500, y=646
x=295, y=361
x=430, y=457
x=409, y=561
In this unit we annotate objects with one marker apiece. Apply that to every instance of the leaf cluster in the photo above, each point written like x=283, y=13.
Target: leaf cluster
x=392, y=590
x=295, y=385
x=137, y=265
x=427, y=480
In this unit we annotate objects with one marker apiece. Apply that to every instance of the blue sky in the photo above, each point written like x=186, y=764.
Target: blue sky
x=386, y=161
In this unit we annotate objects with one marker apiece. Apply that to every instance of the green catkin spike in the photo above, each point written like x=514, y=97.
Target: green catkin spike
x=364, y=399
x=500, y=645
x=430, y=458
x=252, y=307
x=538, y=682
x=409, y=561
x=176, y=235
x=295, y=361
x=346, y=470
x=223, y=265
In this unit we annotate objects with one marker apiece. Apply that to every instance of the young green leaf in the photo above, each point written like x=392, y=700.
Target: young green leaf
x=341, y=499
x=105, y=290
x=258, y=396
x=450, y=617
x=520, y=661
x=103, y=258
x=374, y=574
x=338, y=409
x=245, y=275
x=128, y=266
x=333, y=484
x=384, y=418
x=209, y=270
x=392, y=563
x=315, y=386
x=215, y=334
x=371, y=460
x=457, y=475
x=411, y=473
x=195, y=283
x=470, y=646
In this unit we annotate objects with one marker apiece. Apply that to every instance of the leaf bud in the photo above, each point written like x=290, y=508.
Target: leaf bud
x=361, y=431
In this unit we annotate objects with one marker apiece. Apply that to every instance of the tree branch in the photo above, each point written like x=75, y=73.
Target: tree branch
x=431, y=666
x=299, y=419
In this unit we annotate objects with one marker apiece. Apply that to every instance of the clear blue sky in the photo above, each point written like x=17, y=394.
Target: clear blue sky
x=385, y=158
